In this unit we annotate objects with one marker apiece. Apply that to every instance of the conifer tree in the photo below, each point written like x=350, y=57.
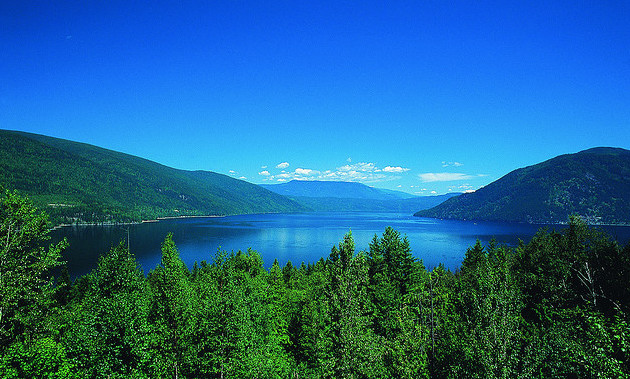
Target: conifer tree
x=171, y=314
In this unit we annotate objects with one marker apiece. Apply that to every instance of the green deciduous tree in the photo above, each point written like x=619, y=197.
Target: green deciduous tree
x=26, y=291
x=107, y=330
x=554, y=307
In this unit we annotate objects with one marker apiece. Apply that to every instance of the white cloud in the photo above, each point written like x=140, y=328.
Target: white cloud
x=365, y=172
x=462, y=187
x=242, y=178
x=451, y=164
x=232, y=172
x=444, y=176
x=465, y=188
x=306, y=171
x=263, y=167
x=360, y=167
x=349, y=160
x=395, y=169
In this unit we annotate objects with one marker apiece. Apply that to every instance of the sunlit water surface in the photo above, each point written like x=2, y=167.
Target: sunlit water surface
x=298, y=238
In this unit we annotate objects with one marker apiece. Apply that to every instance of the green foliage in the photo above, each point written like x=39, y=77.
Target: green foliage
x=75, y=182
x=554, y=307
x=26, y=292
x=490, y=302
x=171, y=314
x=41, y=358
x=106, y=329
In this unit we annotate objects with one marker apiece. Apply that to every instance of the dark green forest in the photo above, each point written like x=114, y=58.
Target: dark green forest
x=592, y=183
x=78, y=183
x=556, y=306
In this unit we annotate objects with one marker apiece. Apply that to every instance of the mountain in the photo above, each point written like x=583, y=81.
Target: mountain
x=79, y=182
x=594, y=184
x=331, y=196
x=334, y=189
x=336, y=204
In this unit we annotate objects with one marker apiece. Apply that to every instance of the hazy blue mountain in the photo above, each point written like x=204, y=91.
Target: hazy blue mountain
x=80, y=182
x=331, y=196
x=336, y=204
x=334, y=189
x=399, y=194
x=594, y=184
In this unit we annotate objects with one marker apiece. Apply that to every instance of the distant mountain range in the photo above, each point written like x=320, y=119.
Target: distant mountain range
x=80, y=182
x=334, y=189
x=77, y=182
x=594, y=184
x=325, y=196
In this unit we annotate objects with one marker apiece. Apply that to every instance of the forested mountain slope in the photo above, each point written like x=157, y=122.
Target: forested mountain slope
x=594, y=184
x=80, y=182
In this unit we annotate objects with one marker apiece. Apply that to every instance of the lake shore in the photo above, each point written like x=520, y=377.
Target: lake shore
x=157, y=219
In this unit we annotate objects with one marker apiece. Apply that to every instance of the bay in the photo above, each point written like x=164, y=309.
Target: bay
x=302, y=237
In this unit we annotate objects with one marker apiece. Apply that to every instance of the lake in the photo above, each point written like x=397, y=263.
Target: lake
x=303, y=237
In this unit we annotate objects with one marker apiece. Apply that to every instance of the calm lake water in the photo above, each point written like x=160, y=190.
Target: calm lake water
x=305, y=237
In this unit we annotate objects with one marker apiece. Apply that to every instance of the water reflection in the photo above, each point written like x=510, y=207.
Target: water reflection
x=295, y=237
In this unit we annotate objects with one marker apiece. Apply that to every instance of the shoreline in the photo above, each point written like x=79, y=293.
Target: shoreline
x=539, y=223
x=157, y=219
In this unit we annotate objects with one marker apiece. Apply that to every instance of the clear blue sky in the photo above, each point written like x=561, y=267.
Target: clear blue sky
x=421, y=96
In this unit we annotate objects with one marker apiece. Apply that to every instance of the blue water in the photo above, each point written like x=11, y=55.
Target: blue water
x=305, y=237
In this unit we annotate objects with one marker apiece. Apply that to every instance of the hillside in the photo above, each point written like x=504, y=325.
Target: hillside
x=334, y=189
x=80, y=182
x=594, y=184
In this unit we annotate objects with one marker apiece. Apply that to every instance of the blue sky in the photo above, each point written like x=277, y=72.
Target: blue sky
x=421, y=96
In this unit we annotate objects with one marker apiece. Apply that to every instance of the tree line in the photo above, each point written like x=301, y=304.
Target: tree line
x=557, y=305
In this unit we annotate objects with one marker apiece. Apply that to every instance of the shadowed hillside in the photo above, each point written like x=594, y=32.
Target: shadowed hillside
x=594, y=184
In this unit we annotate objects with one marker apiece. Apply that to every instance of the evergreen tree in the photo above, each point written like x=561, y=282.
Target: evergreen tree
x=556, y=306
x=256, y=322
x=393, y=274
x=171, y=315
x=351, y=348
x=107, y=331
x=395, y=253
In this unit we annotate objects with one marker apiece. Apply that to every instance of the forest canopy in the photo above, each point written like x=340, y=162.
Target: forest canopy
x=557, y=305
